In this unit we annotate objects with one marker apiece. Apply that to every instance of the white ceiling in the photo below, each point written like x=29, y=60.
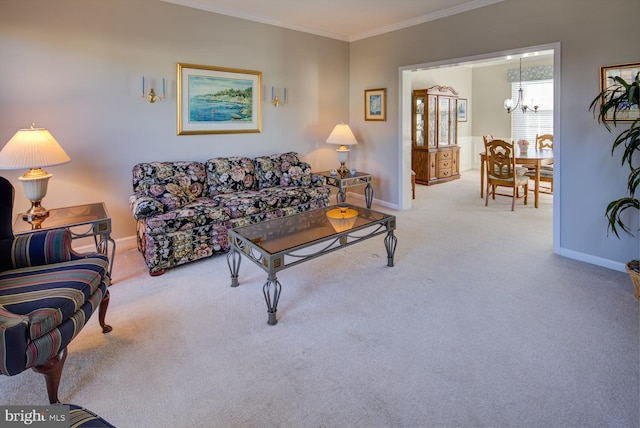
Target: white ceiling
x=347, y=20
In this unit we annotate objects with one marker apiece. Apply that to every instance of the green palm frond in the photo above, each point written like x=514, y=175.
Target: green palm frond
x=618, y=97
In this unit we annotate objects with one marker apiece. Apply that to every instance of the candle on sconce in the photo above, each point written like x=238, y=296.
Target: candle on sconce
x=142, y=86
x=163, y=91
x=285, y=95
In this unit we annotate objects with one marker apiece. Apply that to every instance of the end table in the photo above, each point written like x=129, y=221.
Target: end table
x=343, y=182
x=94, y=217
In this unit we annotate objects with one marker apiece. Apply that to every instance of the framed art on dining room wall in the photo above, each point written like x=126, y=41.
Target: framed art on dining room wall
x=375, y=104
x=218, y=100
x=462, y=109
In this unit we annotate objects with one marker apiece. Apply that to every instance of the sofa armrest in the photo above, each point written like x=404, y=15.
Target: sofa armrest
x=143, y=206
x=42, y=248
x=318, y=180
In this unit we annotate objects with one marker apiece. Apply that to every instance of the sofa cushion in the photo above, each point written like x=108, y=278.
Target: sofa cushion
x=313, y=204
x=295, y=174
x=46, y=296
x=269, y=168
x=248, y=202
x=231, y=174
x=202, y=211
x=175, y=184
x=252, y=202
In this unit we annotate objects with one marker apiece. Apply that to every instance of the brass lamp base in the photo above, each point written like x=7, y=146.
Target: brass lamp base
x=35, y=215
x=35, y=188
x=36, y=212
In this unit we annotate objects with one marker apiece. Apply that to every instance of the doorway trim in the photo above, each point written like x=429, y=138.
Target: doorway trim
x=404, y=119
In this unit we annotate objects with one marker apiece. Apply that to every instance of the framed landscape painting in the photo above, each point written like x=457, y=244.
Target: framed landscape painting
x=375, y=104
x=217, y=100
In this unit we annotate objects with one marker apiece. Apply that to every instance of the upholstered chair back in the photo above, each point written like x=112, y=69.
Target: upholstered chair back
x=6, y=221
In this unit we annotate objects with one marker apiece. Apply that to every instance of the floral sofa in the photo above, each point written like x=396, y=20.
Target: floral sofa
x=184, y=209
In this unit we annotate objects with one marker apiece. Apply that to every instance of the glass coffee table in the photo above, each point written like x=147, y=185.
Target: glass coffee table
x=284, y=242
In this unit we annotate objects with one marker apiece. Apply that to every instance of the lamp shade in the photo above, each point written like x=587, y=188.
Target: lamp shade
x=32, y=148
x=342, y=136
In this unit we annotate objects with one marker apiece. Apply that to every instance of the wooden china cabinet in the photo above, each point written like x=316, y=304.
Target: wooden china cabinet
x=435, y=154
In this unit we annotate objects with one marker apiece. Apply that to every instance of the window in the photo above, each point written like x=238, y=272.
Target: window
x=525, y=126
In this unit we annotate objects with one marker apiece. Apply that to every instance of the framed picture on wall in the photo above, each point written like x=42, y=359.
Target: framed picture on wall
x=217, y=100
x=375, y=104
x=462, y=109
x=628, y=73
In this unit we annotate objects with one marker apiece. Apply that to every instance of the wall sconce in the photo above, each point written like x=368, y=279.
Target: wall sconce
x=152, y=97
x=277, y=102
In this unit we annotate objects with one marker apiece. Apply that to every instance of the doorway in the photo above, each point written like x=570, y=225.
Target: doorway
x=472, y=142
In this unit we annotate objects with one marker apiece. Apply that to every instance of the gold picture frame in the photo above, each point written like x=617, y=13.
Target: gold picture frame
x=218, y=100
x=375, y=104
x=627, y=72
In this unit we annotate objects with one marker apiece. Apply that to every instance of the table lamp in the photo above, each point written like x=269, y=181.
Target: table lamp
x=343, y=136
x=33, y=148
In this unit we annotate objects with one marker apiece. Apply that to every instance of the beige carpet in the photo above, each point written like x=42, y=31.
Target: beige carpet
x=477, y=325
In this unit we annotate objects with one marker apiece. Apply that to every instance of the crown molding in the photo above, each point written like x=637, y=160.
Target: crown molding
x=207, y=6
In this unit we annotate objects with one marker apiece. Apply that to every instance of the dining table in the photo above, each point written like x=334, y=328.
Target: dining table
x=530, y=157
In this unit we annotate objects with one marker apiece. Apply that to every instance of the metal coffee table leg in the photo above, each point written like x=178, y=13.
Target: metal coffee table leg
x=368, y=195
x=271, y=290
x=390, y=242
x=233, y=260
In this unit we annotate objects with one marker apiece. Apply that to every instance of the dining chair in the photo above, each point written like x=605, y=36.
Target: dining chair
x=544, y=142
x=502, y=172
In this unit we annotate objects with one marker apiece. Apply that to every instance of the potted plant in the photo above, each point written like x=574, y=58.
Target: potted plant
x=619, y=98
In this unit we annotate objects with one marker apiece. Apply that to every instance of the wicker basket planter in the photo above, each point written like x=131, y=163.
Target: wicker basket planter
x=633, y=268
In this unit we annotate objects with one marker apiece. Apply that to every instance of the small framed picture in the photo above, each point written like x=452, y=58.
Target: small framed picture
x=375, y=104
x=462, y=109
x=628, y=73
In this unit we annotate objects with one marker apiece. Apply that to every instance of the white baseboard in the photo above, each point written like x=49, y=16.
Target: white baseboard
x=122, y=244
x=598, y=261
x=375, y=201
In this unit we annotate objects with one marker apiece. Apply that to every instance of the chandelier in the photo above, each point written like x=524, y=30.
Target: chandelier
x=510, y=106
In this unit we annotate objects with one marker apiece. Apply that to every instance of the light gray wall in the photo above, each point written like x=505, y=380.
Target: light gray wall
x=490, y=89
x=75, y=67
x=590, y=178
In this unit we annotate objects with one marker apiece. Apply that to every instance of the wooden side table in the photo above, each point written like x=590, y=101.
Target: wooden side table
x=90, y=220
x=350, y=180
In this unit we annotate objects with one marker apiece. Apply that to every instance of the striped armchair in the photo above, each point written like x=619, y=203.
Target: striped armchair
x=47, y=294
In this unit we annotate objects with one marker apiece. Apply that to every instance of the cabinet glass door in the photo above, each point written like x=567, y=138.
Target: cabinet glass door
x=419, y=121
x=431, y=120
x=453, y=114
x=443, y=121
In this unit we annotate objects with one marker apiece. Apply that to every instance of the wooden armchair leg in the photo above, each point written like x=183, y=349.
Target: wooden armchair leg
x=52, y=371
x=103, y=312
